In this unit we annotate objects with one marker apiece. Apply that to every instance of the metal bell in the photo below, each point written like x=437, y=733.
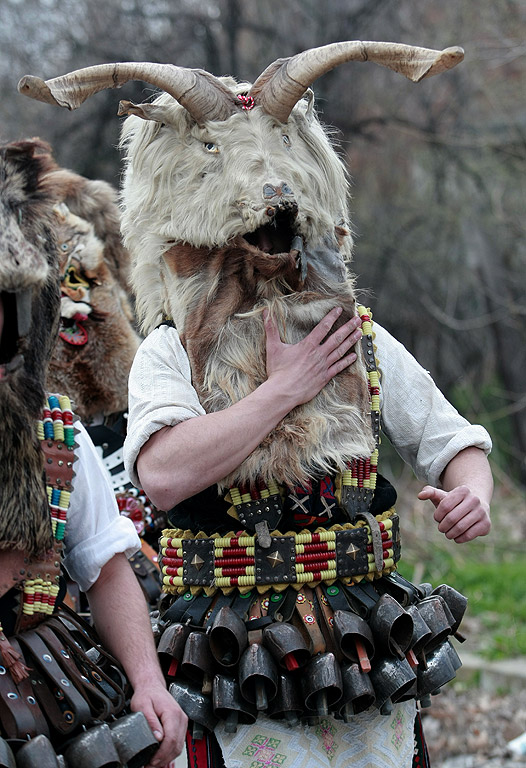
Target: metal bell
x=453, y=655
x=322, y=684
x=439, y=671
x=421, y=632
x=196, y=706
x=37, y=752
x=288, y=703
x=287, y=645
x=455, y=601
x=354, y=638
x=433, y=612
x=171, y=645
x=228, y=637
x=134, y=740
x=391, y=678
x=358, y=691
x=392, y=626
x=93, y=749
x=7, y=759
x=197, y=659
x=229, y=705
x=258, y=677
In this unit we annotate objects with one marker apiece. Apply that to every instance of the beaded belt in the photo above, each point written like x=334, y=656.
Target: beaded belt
x=238, y=560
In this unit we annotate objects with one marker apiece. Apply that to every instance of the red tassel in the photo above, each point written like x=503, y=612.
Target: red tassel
x=13, y=660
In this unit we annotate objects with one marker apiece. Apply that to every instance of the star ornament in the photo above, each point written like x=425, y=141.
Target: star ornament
x=275, y=558
x=352, y=551
x=197, y=562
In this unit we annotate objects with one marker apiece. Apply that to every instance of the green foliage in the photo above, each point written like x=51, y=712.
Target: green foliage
x=494, y=582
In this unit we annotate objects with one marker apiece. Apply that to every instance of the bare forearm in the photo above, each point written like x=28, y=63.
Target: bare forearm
x=179, y=461
x=470, y=467
x=120, y=616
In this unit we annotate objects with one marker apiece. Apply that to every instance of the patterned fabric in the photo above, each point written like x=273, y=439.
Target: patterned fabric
x=370, y=740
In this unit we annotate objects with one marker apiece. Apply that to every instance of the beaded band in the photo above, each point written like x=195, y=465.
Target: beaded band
x=237, y=560
x=56, y=434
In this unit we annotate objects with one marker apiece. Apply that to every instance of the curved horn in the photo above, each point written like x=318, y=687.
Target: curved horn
x=285, y=81
x=202, y=94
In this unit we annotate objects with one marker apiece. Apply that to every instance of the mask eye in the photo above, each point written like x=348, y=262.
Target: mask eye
x=210, y=147
x=286, y=140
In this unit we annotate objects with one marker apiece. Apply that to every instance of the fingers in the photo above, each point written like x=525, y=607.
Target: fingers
x=460, y=514
x=342, y=340
x=168, y=723
x=320, y=331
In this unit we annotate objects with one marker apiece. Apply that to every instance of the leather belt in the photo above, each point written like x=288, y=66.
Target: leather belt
x=347, y=552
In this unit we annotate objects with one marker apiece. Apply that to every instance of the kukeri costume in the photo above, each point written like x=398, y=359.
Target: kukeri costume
x=279, y=580
x=58, y=686
x=223, y=584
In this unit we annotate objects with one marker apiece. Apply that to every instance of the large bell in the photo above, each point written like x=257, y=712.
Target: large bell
x=358, y=691
x=134, y=740
x=433, y=611
x=456, y=602
x=93, y=749
x=391, y=678
x=322, y=684
x=196, y=706
x=354, y=638
x=197, y=659
x=228, y=637
x=392, y=626
x=37, y=753
x=7, y=759
x=439, y=671
x=171, y=645
x=421, y=632
x=287, y=704
x=229, y=705
x=287, y=645
x=258, y=677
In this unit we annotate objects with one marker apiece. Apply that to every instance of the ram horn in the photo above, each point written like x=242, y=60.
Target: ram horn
x=285, y=81
x=199, y=92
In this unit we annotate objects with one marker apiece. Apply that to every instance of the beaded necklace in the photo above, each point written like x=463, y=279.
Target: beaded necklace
x=56, y=434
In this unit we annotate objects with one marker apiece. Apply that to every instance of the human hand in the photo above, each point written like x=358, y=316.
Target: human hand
x=304, y=368
x=166, y=719
x=461, y=515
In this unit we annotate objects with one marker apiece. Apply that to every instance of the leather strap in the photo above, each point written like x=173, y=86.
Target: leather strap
x=27, y=693
x=100, y=705
x=75, y=709
x=307, y=614
x=17, y=719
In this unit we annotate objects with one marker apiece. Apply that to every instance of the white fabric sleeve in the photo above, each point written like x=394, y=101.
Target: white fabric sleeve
x=95, y=530
x=425, y=429
x=160, y=392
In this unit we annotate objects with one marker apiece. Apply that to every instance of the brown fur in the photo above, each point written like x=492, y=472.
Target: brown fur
x=224, y=337
x=28, y=258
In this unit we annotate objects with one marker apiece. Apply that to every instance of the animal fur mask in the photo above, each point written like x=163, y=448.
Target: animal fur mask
x=235, y=201
x=97, y=340
x=30, y=301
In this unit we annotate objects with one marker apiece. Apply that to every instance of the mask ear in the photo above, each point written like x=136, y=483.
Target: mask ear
x=154, y=112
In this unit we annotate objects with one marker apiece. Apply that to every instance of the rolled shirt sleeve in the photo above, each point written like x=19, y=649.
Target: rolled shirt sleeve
x=424, y=428
x=95, y=529
x=160, y=392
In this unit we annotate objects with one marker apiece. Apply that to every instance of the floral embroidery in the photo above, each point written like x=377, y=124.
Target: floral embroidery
x=398, y=727
x=326, y=732
x=263, y=749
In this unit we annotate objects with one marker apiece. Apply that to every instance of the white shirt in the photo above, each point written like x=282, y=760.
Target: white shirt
x=95, y=530
x=425, y=429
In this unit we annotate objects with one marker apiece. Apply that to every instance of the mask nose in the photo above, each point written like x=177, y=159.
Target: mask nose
x=276, y=193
